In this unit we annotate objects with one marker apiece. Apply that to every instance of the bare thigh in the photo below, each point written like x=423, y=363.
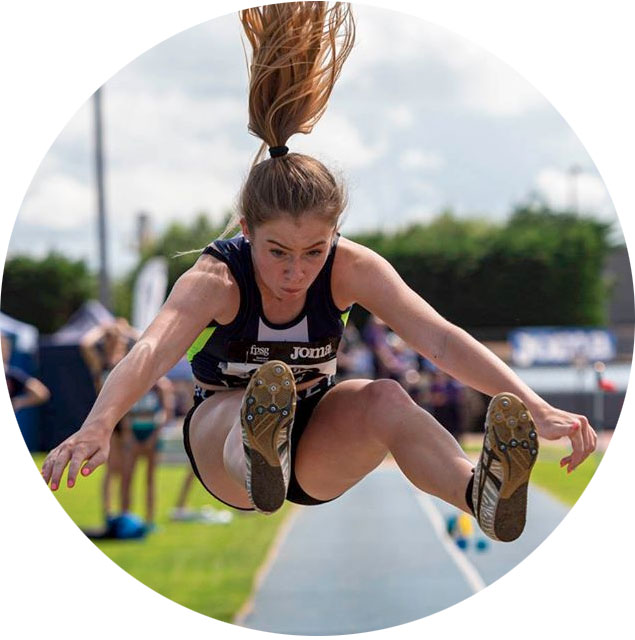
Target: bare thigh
x=352, y=428
x=147, y=448
x=337, y=448
x=210, y=427
x=116, y=455
x=357, y=423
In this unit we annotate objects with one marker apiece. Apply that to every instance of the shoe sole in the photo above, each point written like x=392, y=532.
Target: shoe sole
x=266, y=416
x=500, y=496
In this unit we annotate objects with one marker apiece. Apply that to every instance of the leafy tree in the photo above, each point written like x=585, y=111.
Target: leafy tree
x=540, y=267
x=45, y=292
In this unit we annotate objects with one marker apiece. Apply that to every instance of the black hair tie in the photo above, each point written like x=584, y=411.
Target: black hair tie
x=276, y=152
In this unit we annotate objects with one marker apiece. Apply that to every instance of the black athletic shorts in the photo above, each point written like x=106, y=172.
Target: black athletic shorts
x=306, y=403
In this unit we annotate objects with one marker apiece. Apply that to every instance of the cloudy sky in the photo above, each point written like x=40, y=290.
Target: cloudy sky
x=420, y=120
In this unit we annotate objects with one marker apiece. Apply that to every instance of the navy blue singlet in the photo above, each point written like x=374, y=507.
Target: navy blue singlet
x=227, y=355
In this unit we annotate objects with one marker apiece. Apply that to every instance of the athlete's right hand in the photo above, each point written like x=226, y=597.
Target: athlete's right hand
x=90, y=444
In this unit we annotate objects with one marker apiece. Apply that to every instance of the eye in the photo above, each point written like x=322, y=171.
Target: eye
x=276, y=253
x=314, y=253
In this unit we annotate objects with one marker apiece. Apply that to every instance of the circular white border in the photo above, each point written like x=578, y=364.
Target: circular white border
x=55, y=55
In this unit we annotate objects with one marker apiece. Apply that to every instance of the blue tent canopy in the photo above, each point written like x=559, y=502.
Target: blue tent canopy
x=65, y=373
x=91, y=314
x=24, y=352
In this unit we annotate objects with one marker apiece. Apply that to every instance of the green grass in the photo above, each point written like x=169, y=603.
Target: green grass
x=210, y=568
x=207, y=568
x=566, y=487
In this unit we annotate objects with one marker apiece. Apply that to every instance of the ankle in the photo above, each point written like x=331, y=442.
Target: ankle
x=468, y=494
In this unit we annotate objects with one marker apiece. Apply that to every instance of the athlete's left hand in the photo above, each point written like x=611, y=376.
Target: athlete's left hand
x=553, y=424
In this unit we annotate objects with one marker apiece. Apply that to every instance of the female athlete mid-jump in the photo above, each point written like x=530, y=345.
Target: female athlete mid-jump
x=261, y=314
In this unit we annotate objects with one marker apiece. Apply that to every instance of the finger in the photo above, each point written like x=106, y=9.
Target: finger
x=565, y=461
x=594, y=441
x=98, y=458
x=589, y=438
x=583, y=451
x=586, y=435
x=58, y=467
x=577, y=443
x=47, y=467
x=73, y=468
x=49, y=464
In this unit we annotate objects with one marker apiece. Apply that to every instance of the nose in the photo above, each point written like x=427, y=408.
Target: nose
x=294, y=271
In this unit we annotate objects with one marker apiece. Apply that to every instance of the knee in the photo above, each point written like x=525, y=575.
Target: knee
x=386, y=393
x=385, y=400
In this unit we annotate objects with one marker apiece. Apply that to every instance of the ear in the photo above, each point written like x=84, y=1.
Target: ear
x=244, y=227
x=334, y=235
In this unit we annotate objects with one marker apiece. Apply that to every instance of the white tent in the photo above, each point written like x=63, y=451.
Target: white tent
x=26, y=335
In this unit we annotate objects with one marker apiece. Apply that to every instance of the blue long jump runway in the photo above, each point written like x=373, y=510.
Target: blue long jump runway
x=377, y=557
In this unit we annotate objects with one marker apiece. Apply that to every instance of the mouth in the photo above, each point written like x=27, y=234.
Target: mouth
x=291, y=292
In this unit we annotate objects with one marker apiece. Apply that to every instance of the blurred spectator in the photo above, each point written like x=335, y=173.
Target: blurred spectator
x=385, y=364
x=102, y=349
x=144, y=423
x=444, y=401
x=24, y=390
x=181, y=511
x=207, y=514
x=183, y=391
x=406, y=367
x=354, y=358
x=104, y=346
x=394, y=359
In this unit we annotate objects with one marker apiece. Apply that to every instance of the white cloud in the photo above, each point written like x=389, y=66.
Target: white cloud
x=413, y=98
x=564, y=189
x=171, y=128
x=491, y=86
x=168, y=194
x=441, y=66
x=419, y=160
x=337, y=140
x=59, y=201
x=401, y=117
x=172, y=156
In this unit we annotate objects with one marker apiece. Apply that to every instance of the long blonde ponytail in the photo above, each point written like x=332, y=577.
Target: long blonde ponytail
x=298, y=50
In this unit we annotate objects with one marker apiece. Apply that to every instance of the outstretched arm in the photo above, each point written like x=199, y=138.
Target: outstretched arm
x=194, y=301
x=35, y=393
x=380, y=289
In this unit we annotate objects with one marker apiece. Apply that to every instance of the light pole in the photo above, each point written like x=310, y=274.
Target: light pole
x=574, y=171
x=104, y=283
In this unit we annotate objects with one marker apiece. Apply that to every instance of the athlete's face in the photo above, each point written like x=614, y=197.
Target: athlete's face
x=288, y=255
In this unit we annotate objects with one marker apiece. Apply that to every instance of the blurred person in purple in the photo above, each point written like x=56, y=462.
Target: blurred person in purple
x=444, y=400
x=24, y=390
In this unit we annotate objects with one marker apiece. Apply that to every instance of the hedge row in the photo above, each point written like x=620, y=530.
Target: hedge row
x=537, y=268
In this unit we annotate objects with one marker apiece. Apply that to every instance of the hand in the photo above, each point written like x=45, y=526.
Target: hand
x=89, y=444
x=17, y=403
x=552, y=424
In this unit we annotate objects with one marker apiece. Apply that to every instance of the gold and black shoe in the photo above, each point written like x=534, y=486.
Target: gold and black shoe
x=501, y=477
x=266, y=416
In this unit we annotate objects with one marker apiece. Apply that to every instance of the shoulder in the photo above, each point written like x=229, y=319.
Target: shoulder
x=354, y=255
x=355, y=268
x=210, y=283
